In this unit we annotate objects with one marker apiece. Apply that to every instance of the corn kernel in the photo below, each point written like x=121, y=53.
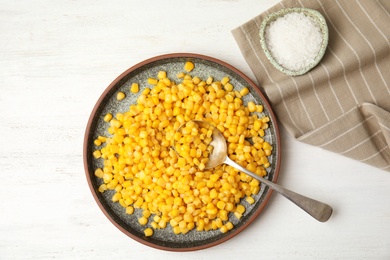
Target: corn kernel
x=244, y=91
x=146, y=213
x=107, y=117
x=225, y=80
x=129, y=210
x=162, y=74
x=240, y=209
x=120, y=96
x=116, y=197
x=99, y=173
x=229, y=225
x=252, y=106
x=134, y=88
x=238, y=215
x=102, y=188
x=189, y=66
x=97, y=154
x=223, y=229
x=102, y=139
x=221, y=204
x=142, y=220
x=228, y=87
x=162, y=224
x=97, y=142
x=152, y=81
x=148, y=232
x=250, y=200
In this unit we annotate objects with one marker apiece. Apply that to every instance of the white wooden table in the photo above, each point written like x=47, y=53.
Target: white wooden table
x=57, y=57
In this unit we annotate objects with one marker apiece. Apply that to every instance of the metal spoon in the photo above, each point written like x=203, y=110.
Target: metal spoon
x=318, y=210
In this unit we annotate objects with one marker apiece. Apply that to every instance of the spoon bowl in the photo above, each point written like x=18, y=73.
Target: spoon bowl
x=318, y=210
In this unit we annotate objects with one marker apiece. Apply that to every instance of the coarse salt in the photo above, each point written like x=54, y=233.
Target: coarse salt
x=294, y=40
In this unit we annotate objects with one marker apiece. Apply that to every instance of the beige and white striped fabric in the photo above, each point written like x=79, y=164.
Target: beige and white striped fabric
x=343, y=104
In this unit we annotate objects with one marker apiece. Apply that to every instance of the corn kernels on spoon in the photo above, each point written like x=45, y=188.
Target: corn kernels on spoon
x=318, y=210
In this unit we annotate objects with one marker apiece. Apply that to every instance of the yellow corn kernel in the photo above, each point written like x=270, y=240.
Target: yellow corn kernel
x=107, y=117
x=176, y=230
x=122, y=203
x=138, y=203
x=191, y=226
x=267, y=146
x=146, y=92
x=97, y=154
x=162, y=74
x=221, y=204
x=148, y=232
x=223, y=229
x=146, y=213
x=99, y=173
x=252, y=106
x=225, y=80
x=102, y=188
x=184, y=230
x=250, y=200
x=162, y=223
x=120, y=96
x=116, y=197
x=154, y=225
x=228, y=87
x=229, y=225
x=257, y=125
x=240, y=209
x=265, y=119
x=142, y=220
x=244, y=91
x=107, y=177
x=134, y=88
x=196, y=80
x=182, y=225
x=181, y=162
x=189, y=66
x=129, y=210
x=152, y=81
x=229, y=206
x=102, y=139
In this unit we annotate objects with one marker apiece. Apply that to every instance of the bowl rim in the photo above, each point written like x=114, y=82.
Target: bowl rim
x=87, y=140
x=317, y=17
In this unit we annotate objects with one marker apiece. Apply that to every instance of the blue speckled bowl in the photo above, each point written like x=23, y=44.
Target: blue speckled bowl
x=205, y=66
x=316, y=16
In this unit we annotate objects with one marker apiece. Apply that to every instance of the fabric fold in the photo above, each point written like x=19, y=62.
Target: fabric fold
x=361, y=134
x=343, y=104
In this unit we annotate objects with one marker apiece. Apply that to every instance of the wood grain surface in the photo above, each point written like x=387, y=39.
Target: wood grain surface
x=57, y=57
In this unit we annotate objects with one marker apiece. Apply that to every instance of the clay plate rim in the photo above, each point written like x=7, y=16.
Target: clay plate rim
x=87, y=140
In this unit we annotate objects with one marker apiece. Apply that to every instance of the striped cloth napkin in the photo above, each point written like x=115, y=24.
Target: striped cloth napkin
x=343, y=104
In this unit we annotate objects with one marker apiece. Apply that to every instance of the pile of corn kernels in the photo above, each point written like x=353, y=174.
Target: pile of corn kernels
x=145, y=172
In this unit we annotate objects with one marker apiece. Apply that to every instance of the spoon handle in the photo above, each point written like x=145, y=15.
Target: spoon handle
x=318, y=210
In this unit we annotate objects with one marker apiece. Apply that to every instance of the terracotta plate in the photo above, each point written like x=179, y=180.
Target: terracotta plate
x=205, y=66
